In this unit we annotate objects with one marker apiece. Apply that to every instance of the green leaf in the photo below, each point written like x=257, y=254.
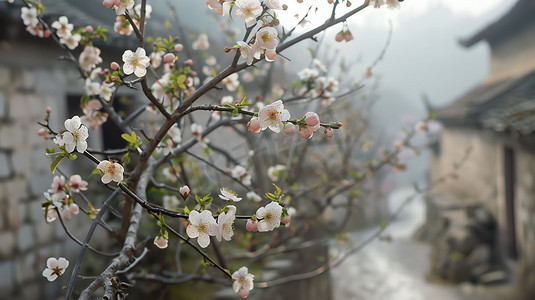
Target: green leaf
x=126, y=158
x=127, y=138
x=55, y=164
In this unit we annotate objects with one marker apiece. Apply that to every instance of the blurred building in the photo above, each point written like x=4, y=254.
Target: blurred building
x=483, y=222
x=32, y=78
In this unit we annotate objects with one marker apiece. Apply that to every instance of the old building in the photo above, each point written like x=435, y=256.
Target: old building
x=486, y=217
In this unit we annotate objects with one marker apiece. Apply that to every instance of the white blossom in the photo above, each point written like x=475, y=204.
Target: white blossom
x=253, y=196
x=201, y=43
x=89, y=58
x=106, y=90
x=112, y=171
x=55, y=268
x=123, y=6
x=62, y=26
x=135, y=62
x=248, y=10
x=270, y=215
x=224, y=222
x=71, y=41
x=77, y=184
x=243, y=282
x=202, y=226
x=148, y=10
x=249, y=52
x=271, y=116
x=92, y=88
x=29, y=16
x=229, y=195
x=232, y=83
x=274, y=172
x=76, y=135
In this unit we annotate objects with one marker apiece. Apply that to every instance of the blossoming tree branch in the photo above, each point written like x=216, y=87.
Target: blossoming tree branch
x=175, y=75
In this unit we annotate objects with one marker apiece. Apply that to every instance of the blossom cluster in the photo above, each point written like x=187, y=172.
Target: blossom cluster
x=59, y=197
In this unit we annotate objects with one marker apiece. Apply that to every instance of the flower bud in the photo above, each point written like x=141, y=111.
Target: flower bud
x=161, y=242
x=88, y=29
x=254, y=125
x=348, y=36
x=179, y=47
x=114, y=66
x=108, y=3
x=48, y=109
x=47, y=34
x=306, y=133
x=329, y=132
x=74, y=209
x=339, y=36
x=184, y=191
x=252, y=226
x=189, y=62
x=41, y=132
x=290, y=128
x=312, y=119
x=286, y=220
x=194, y=73
x=169, y=58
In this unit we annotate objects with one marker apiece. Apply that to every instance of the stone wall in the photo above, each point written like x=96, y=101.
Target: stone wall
x=26, y=240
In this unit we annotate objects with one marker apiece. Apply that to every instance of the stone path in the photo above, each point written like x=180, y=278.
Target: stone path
x=395, y=270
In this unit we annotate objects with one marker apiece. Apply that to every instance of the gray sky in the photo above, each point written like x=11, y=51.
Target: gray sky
x=424, y=55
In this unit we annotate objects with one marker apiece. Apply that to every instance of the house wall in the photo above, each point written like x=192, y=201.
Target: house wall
x=525, y=219
x=476, y=177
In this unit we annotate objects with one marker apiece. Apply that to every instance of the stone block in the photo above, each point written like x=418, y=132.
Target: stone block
x=26, y=268
x=44, y=232
x=25, y=238
x=3, y=106
x=39, y=183
x=21, y=162
x=37, y=213
x=25, y=80
x=39, y=160
x=37, y=108
x=12, y=213
x=12, y=136
x=17, y=189
x=5, y=77
x=18, y=107
x=30, y=290
x=7, y=274
x=7, y=243
x=6, y=168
